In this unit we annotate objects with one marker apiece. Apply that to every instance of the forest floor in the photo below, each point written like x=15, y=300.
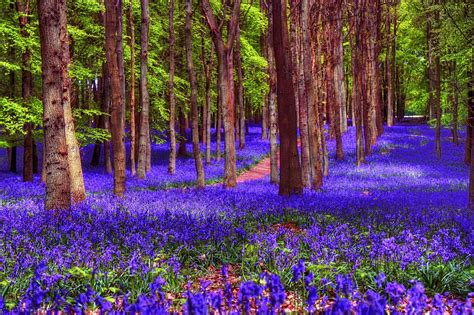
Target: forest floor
x=403, y=213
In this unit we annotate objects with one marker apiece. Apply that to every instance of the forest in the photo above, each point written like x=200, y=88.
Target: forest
x=236, y=157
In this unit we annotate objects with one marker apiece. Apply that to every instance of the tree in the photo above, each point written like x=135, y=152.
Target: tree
x=172, y=96
x=54, y=45
x=144, y=137
x=194, y=92
x=131, y=43
x=224, y=50
x=239, y=90
x=113, y=38
x=359, y=92
x=207, y=65
x=290, y=168
x=23, y=8
x=272, y=99
x=312, y=102
x=334, y=103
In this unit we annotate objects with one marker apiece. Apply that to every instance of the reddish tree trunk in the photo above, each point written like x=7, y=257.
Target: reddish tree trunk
x=226, y=87
x=113, y=37
x=290, y=169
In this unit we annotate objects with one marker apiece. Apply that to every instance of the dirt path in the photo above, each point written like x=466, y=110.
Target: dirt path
x=260, y=171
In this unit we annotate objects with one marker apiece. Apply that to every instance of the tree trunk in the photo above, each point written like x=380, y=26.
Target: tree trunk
x=23, y=9
x=226, y=68
x=390, y=61
x=107, y=97
x=194, y=95
x=339, y=78
x=302, y=91
x=131, y=43
x=359, y=95
x=272, y=101
x=333, y=101
x=182, y=133
x=78, y=192
x=290, y=169
x=218, y=122
x=240, y=91
x=113, y=37
x=56, y=92
x=172, y=96
x=143, y=141
x=312, y=101
x=208, y=65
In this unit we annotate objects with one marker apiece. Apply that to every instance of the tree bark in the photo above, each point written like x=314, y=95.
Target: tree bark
x=113, y=37
x=54, y=44
x=143, y=141
x=240, y=90
x=359, y=95
x=208, y=65
x=333, y=11
x=194, y=95
x=23, y=9
x=131, y=43
x=182, y=133
x=226, y=68
x=172, y=96
x=302, y=92
x=314, y=130
x=290, y=168
x=106, y=102
x=272, y=100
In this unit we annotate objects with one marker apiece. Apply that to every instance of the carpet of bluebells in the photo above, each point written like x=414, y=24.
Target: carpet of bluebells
x=392, y=235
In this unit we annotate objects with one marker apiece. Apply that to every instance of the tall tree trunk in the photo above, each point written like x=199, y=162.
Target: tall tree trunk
x=226, y=73
x=359, y=95
x=272, y=100
x=56, y=92
x=23, y=9
x=390, y=59
x=314, y=128
x=339, y=78
x=113, y=37
x=194, y=95
x=265, y=100
x=333, y=7
x=290, y=168
x=240, y=90
x=172, y=96
x=208, y=65
x=144, y=141
x=78, y=192
x=302, y=91
x=131, y=43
